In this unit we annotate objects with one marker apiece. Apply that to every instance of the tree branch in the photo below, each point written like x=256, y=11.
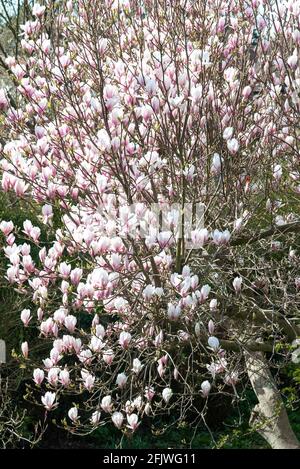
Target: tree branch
x=280, y=229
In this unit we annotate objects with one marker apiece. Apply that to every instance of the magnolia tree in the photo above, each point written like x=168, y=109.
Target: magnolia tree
x=159, y=142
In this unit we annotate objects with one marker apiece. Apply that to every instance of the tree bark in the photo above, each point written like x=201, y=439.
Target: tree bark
x=269, y=416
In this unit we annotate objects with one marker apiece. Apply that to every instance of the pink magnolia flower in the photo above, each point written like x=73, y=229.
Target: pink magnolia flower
x=133, y=422
x=20, y=187
x=213, y=343
x=76, y=275
x=6, y=227
x=205, y=388
x=216, y=164
x=26, y=316
x=28, y=264
x=293, y=61
x=48, y=400
x=108, y=356
x=64, y=270
x=70, y=322
x=64, y=378
x=173, y=312
x=237, y=284
x=221, y=237
x=159, y=339
x=121, y=380
x=231, y=378
x=89, y=382
x=38, y=10
x=95, y=418
x=117, y=418
x=38, y=376
x=165, y=239
x=47, y=213
x=124, y=339
x=233, y=145
x=73, y=414
x=35, y=233
x=198, y=329
x=149, y=393
x=167, y=394
x=211, y=327
x=3, y=100
x=247, y=91
x=52, y=377
x=106, y=404
x=203, y=294
x=25, y=349
x=228, y=133
x=136, y=366
x=199, y=237
x=102, y=44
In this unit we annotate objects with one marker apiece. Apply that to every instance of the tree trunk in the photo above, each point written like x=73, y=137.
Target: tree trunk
x=269, y=416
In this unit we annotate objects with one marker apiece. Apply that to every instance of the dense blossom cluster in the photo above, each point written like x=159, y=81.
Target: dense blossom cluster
x=128, y=106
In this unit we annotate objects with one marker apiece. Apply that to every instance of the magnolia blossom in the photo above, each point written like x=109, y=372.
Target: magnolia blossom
x=247, y=91
x=293, y=61
x=53, y=375
x=133, y=422
x=89, y=382
x=228, y=132
x=211, y=327
x=108, y=356
x=221, y=237
x=231, y=378
x=64, y=377
x=25, y=349
x=167, y=394
x=173, y=312
x=6, y=227
x=136, y=366
x=205, y=388
x=64, y=270
x=38, y=10
x=73, y=414
x=70, y=322
x=233, y=145
x=38, y=376
x=48, y=400
x=47, y=213
x=117, y=418
x=277, y=172
x=124, y=339
x=121, y=380
x=95, y=418
x=3, y=100
x=26, y=316
x=75, y=275
x=106, y=404
x=199, y=237
x=213, y=342
x=237, y=284
x=213, y=304
x=203, y=294
x=149, y=393
x=216, y=164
